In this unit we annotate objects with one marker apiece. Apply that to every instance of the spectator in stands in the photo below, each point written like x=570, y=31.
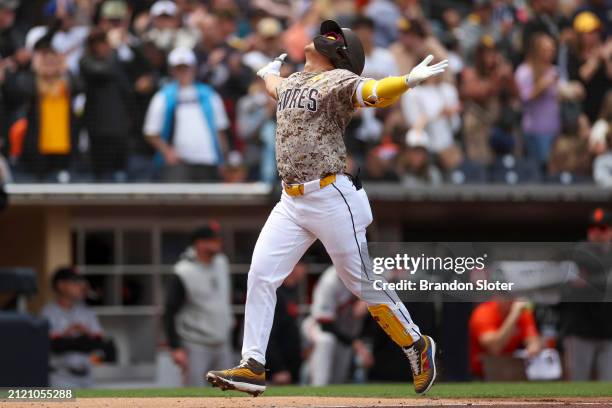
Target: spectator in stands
x=107, y=117
x=74, y=330
x=12, y=40
x=166, y=29
x=142, y=80
x=433, y=108
x=545, y=18
x=432, y=111
x=284, y=355
x=382, y=161
x=416, y=169
x=266, y=43
x=186, y=124
x=600, y=143
x=333, y=329
x=601, y=9
x=476, y=25
x=537, y=81
x=235, y=171
x=570, y=159
x=254, y=110
x=198, y=315
x=586, y=327
x=499, y=328
x=232, y=38
x=379, y=62
x=47, y=93
x=487, y=89
x=413, y=44
x=448, y=31
x=384, y=14
x=70, y=34
x=222, y=65
x=590, y=62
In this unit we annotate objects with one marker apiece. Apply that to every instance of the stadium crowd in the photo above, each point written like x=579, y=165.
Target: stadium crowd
x=142, y=90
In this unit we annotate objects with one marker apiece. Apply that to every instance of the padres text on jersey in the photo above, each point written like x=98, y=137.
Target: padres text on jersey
x=312, y=111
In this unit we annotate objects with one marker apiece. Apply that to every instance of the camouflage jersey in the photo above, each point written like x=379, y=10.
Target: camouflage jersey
x=312, y=112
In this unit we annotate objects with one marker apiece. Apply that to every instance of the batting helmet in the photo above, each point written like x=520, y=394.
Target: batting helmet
x=341, y=46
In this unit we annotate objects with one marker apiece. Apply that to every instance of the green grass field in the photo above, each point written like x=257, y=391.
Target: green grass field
x=448, y=390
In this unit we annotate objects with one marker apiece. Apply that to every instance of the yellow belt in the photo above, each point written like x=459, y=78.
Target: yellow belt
x=295, y=190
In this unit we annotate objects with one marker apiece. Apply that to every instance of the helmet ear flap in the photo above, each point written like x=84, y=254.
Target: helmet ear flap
x=342, y=57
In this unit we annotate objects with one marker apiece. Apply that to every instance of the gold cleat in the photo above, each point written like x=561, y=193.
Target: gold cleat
x=249, y=377
x=421, y=355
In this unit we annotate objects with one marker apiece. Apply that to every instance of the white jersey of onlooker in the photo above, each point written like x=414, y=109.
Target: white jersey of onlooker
x=379, y=64
x=428, y=102
x=192, y=138
x=330, y=296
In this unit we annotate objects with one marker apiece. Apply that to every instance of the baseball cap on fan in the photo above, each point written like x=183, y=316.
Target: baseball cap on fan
x=207, y=231
x=182, y=56
x=65, y=274
x=163, y=8
x=269, y=27
x=587, y=22
x=114, y=9
x=412, y=26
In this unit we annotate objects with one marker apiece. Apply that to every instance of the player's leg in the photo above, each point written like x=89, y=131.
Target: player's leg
x=579, y=357
x=348, y=213
x=280, y=245
x=220, y=356
x=604, y=361
x=343, y=357
x=199, y=360
x=321, y=359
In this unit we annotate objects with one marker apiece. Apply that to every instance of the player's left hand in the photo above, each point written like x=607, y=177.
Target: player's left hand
x=272, y=67
x=425, y=71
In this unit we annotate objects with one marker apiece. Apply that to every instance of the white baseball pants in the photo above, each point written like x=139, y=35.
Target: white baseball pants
x=338, y=216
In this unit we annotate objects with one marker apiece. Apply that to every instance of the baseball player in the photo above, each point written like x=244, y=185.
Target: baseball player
x=333, y=327
x=320, y=202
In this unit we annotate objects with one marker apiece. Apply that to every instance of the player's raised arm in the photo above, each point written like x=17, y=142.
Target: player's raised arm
x=271, y=74
x=384, y=92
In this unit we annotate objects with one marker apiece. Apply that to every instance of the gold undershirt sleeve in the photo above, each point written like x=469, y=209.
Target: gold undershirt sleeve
x=381, y=93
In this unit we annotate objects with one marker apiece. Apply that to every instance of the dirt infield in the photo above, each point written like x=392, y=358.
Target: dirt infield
x=314, y=402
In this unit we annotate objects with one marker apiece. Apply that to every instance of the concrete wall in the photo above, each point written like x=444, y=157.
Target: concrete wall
x=38, y=238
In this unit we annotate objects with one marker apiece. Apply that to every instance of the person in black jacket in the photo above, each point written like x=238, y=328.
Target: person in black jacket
x=46, y=94
x=586, y=322
x=106, y=111
x=284, y=354
x=114, y=19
